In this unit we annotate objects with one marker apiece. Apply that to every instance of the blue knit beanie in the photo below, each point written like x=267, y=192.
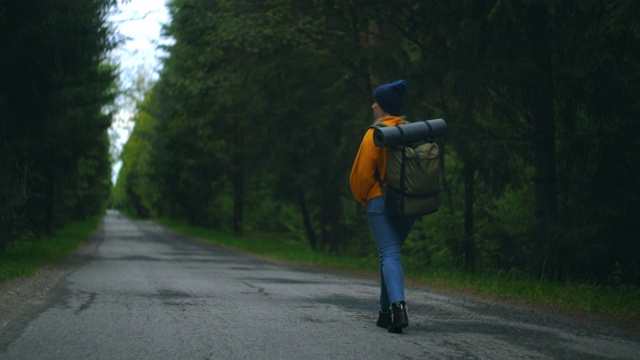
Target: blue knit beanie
x=390, y=96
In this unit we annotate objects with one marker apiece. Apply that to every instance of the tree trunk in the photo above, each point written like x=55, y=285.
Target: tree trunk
x=335, y=212
x=469, y=246
x=544, y=148
x=545, y=195
x=306, y=219
x=49, y=198
x=238, y=182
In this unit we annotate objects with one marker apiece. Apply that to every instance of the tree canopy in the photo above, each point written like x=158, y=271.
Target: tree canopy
x=261, y=105
x=55, y=90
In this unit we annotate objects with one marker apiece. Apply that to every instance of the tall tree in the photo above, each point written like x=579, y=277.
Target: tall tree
x=56, y=83
x=261, y=106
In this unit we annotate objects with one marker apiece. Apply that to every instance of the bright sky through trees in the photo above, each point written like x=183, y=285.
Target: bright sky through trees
x=140, y=21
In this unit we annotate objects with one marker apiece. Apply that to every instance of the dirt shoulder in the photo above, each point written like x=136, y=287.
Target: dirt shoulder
x=21, y=299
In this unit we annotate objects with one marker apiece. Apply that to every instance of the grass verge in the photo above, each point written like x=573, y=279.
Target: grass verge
x=615, y=302
x=277, y=248
x=24, y=257
x=621, y=302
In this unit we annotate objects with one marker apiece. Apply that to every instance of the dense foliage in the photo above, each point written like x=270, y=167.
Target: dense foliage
x=261, y=106
x=55, y=89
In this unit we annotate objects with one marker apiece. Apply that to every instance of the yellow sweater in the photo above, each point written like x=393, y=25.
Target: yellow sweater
x=364, y=186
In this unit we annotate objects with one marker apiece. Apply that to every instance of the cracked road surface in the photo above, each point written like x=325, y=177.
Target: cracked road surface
x=143, y=292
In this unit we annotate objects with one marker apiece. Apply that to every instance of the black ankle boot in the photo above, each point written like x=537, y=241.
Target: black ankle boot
x=384, y=319
x=399, y=318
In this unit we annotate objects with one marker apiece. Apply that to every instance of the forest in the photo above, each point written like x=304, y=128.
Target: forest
x=261, y=105
x=57, y=92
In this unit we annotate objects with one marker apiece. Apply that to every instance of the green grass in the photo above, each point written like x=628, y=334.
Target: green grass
x=621, y=302
x=277, y=248
x=24, y=257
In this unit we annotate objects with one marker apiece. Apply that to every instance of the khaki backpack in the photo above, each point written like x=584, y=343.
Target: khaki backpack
x=413, y=178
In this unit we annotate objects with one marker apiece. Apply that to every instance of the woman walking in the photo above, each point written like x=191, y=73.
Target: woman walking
x=367, y=182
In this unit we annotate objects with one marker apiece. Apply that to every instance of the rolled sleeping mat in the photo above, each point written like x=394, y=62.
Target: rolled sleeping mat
x=408, y=133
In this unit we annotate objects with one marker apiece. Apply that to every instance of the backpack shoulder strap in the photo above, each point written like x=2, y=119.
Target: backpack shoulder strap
x=376, y=126
x=377, y=175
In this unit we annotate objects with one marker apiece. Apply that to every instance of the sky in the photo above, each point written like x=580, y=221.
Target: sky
x=141, y=22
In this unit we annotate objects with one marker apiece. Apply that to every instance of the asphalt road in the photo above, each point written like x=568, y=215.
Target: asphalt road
x=146, y=293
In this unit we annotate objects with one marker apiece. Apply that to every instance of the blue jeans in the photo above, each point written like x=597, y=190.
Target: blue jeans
x=389, y=234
